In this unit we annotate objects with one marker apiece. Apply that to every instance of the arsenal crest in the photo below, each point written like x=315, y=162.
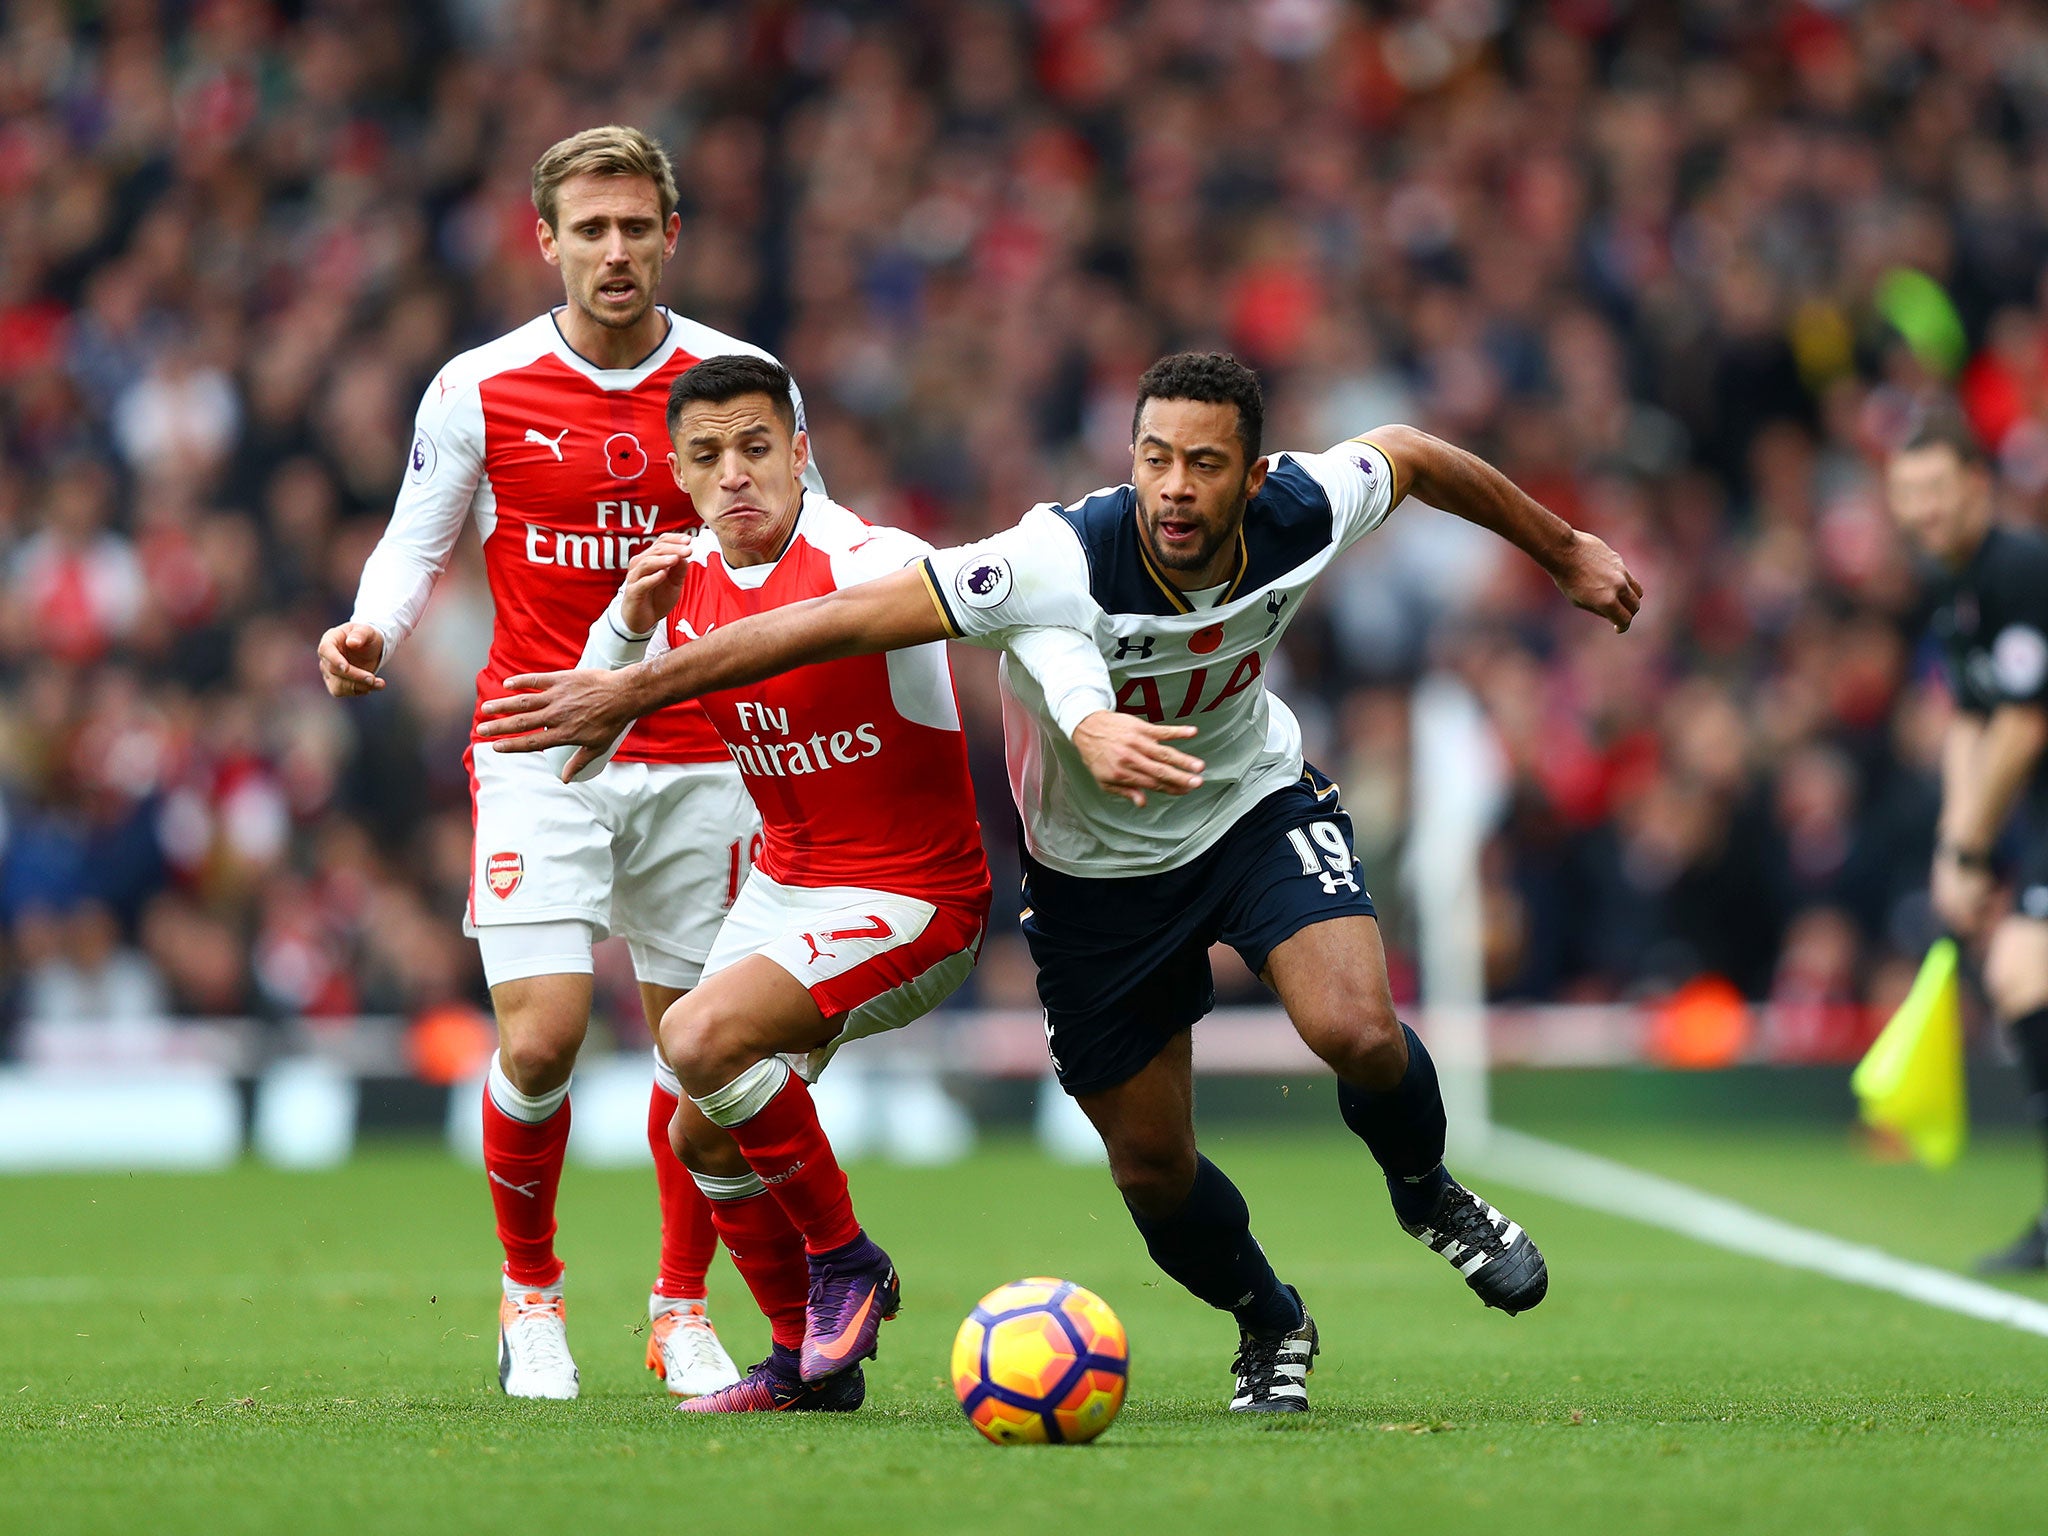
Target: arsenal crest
x=503, y=872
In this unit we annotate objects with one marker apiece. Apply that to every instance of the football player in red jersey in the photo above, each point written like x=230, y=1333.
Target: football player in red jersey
x=870, y=897
x=551, y=438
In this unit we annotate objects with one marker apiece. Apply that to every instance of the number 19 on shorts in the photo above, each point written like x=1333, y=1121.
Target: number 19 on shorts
x=1325, y=855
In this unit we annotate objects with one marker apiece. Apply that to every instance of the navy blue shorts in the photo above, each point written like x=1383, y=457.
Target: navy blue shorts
x=1123, y=964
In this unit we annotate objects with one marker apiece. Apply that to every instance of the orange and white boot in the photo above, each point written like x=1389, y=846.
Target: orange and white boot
x=533, y=1343
x=683, y=1348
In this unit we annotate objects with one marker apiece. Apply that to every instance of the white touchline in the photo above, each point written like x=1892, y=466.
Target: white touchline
x=1564, y=1173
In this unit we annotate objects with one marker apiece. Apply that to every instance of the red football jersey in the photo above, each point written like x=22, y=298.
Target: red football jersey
x=564, y=467
x=858, y=766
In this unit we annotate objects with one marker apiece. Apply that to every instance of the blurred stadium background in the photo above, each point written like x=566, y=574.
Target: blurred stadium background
x=1683, y=271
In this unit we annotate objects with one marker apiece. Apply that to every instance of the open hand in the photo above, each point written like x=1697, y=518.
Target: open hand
x=349, y=657
x=584, y=709
x=1595, y=579
x=1129, y=756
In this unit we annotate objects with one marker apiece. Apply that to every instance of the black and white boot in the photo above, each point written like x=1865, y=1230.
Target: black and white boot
x=1496, y=1257
x=1272, y=1368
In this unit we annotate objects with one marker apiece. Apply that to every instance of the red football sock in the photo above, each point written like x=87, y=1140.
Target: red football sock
x=769, y=1254
x=688, y=1238
x=784, y=1144
x=524, y=1164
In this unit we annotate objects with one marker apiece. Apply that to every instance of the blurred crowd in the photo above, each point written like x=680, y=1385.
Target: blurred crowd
x=1683, y=271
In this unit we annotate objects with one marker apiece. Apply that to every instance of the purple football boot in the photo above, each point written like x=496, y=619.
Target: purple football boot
x=853, y=1292
x=776, y=1385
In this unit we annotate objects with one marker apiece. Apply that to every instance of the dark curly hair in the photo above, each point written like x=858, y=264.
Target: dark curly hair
x=1214, y=378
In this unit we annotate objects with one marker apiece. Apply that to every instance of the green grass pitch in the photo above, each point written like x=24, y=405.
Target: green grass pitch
x=262, y=1352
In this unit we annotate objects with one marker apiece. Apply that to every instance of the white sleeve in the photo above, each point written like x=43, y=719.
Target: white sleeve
x=1026, y=577
x=443, y=469
x=1069, y=670
x=611, y=645
x=1358, y=477
x=814, y=478
x=883, y=552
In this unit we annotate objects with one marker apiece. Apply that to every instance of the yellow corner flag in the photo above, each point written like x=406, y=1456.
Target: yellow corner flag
x=1911, y=1080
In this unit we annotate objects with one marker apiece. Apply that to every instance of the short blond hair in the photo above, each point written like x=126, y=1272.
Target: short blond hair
x=613, y=150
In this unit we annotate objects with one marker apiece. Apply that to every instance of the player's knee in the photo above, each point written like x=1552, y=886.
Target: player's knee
x=698, y=1036
x=1154, y=1177
x=682, y=1038
x=537, y=1062
x=1361, y=1040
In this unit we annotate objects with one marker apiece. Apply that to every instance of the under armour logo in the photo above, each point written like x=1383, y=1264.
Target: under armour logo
x=1275, y=601
x=1325, y=856
x=530, y=1189
x=552, y=444
x=1140, y=644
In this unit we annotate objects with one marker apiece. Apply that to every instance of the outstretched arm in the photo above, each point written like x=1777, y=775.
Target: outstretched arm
x=1465, y=485
x=585, y=711
x=589, y=708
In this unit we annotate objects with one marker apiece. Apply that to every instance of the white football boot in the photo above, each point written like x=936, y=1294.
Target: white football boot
x=683, y=1348
x=533, y=1343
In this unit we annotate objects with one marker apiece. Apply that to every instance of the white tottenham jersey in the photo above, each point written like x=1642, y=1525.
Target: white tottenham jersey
x=1085, y=567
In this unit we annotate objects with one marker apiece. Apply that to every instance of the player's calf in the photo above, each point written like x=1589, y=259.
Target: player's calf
x=1153, y=1177
x=768, y=1113
x=1403, y=1124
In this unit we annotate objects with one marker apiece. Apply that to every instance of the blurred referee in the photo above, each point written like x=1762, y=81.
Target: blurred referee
x=1990, y=879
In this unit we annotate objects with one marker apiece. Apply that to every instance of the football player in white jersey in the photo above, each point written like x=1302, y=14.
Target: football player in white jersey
x=1186, y=578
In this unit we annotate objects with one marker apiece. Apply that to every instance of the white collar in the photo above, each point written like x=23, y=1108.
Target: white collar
x=617, y=378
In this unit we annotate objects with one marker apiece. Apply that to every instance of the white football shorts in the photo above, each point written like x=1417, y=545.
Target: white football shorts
x=652, y=852
x=872, y=960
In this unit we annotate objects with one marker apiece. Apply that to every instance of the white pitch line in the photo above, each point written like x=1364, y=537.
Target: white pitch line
x=1565, y=1173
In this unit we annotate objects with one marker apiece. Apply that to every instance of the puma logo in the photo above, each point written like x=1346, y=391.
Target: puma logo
x=530, y=1188
x=873, y=928
x=552, y=444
